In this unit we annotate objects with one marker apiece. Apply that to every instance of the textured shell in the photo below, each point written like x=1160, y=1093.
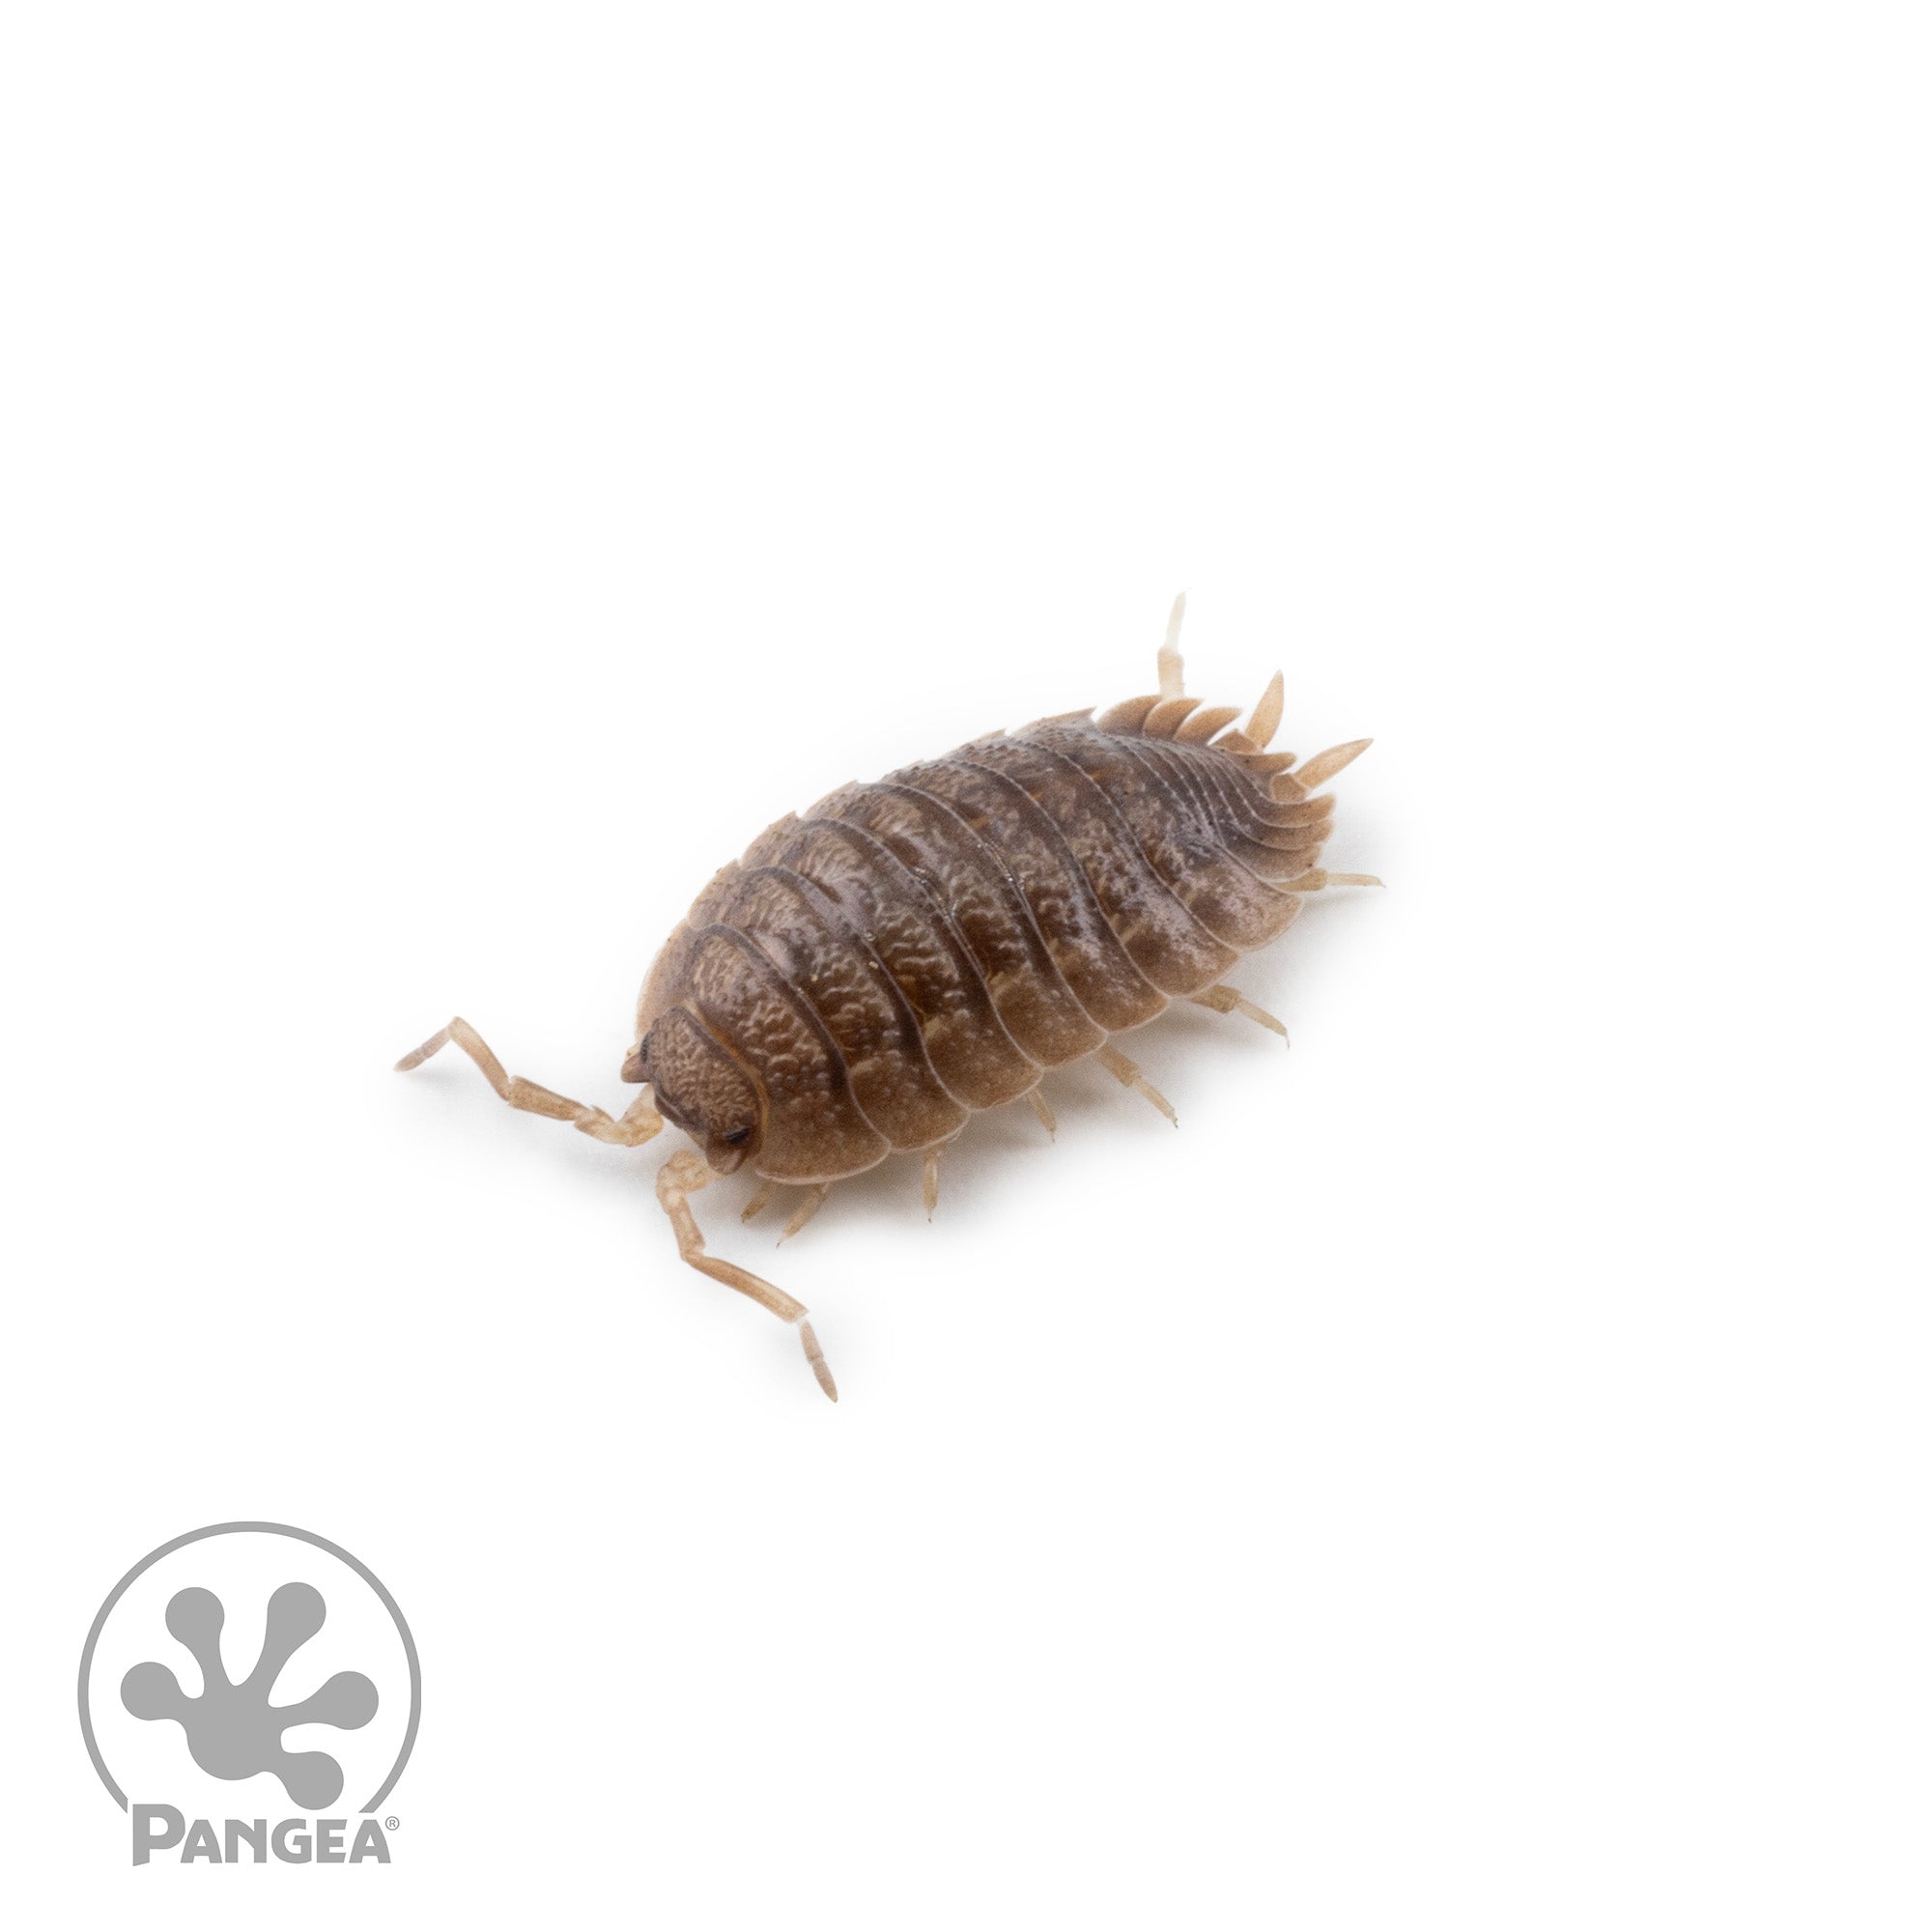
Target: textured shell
x=910, y=952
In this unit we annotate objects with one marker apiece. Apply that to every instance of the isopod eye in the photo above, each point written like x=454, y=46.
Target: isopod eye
x=737, y=1137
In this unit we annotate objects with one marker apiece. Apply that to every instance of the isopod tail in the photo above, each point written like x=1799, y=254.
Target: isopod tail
x=1169, y=658
x=1257, y=804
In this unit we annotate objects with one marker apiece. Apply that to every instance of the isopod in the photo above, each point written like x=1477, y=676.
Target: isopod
x=910, y=953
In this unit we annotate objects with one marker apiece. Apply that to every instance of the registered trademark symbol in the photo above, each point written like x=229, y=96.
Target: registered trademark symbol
x=390, y=1823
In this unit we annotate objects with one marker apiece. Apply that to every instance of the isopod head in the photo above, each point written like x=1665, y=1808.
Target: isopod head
x=699, y=1086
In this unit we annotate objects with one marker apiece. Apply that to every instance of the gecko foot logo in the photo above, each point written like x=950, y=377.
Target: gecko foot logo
x=233, y=1730
x=259, y=1614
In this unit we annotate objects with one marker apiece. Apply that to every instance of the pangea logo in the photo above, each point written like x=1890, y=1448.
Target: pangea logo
x=250, y=1669
x=232, y=1729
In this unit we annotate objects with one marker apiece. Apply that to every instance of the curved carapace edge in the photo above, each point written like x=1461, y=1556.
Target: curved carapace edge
x=910, y=952
x=907, y=953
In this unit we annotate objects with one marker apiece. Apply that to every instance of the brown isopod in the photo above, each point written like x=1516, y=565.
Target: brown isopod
x=913, y=951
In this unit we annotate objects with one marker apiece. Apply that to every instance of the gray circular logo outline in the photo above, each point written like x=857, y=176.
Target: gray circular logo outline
x=335, y=1550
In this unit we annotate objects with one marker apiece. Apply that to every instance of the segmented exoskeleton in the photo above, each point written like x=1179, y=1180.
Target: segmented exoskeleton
x=910, y=953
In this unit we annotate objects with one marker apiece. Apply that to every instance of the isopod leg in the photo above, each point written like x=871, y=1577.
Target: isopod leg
x=684, y=1173
x=813, y=1201
x=1319, y=881
x=640, y=1120
x=758, y=1202
x=930, y=1179
x=1043, y=1111
x=1225, y=999
x=1129, y=1074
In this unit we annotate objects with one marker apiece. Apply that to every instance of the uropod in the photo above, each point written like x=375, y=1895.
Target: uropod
x=907, y=953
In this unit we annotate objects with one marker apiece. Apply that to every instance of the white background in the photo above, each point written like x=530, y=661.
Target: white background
x=467, y=470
